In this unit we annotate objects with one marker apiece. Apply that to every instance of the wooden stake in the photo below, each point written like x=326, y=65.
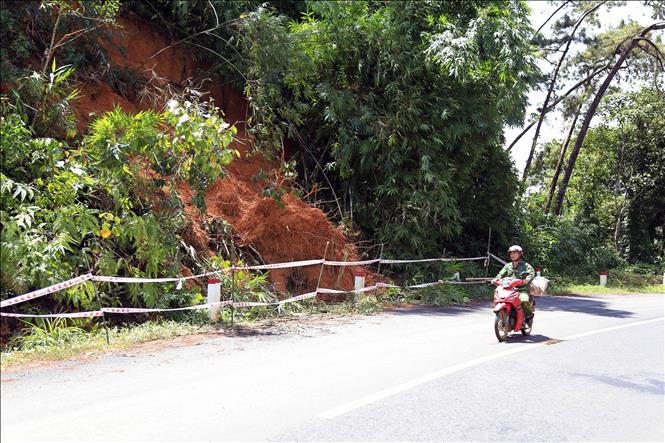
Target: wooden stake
x=233, y=283
x=487, y=260
x=318, y=283
x=378, y=271
x=99, y=303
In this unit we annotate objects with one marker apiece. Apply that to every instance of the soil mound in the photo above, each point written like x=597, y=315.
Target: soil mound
x=280, y=232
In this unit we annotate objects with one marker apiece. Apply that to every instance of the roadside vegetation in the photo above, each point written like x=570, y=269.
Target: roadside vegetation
x=44, y=341
x=626, y=281
x=51, y=340
x=55, y=340
x=393, y=116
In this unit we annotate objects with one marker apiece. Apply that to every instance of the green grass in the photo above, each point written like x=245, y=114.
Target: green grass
x=589, y=289
x=36, y=346
x=620, y=281
x=54, y=340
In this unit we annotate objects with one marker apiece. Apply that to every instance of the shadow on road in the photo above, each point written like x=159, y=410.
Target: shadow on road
x=245, y=331
x=516, y=337
x=647, y=386
x=473, y=308
x=583, y=305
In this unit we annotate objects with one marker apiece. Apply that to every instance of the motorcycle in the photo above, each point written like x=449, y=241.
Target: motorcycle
x=509, y=315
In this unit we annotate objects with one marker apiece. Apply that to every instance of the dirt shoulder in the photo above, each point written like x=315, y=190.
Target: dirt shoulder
x=65, y=357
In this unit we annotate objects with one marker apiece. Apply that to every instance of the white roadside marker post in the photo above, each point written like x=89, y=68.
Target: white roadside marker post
x=214, y=295
x=358, y=283
x=603, y=279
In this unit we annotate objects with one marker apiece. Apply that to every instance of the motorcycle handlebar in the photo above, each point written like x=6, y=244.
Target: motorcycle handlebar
x=513, y=283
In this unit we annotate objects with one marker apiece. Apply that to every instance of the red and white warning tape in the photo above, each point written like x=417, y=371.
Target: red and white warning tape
x=142, y=280
x=293, y=264
x=352, y=263
x=340, y=291
x=147, y=310
x=249, y=304
x=48, y=290
x=102, y=311
x=422, y=285
x=64, y=315
x=297, y=298
x=83, y=278
x=238, y=304
x=423, y=260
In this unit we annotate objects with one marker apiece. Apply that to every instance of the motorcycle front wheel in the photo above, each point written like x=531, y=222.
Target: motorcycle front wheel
x=501, y=325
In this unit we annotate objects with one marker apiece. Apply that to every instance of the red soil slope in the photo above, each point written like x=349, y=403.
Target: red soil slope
x=295, y=231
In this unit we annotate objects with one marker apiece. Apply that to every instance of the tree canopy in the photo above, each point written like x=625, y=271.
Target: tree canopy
x=390, y=113
x=398, y=108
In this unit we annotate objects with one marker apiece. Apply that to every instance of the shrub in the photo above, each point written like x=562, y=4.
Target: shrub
x=96, y=206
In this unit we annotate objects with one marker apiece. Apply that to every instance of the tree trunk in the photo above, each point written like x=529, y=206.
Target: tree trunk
x=555, y=77
x=50, y=49
x=557, y=101
x=550, y=17
x=617, y=227
x=562, y=155
x=592, y=110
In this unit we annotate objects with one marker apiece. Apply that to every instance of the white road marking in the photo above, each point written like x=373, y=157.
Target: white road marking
x=339, y=410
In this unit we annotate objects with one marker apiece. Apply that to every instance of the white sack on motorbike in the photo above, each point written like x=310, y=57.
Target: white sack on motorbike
x=538, y=286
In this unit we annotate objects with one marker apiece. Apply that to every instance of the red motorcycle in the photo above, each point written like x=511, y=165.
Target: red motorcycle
x=508, y=309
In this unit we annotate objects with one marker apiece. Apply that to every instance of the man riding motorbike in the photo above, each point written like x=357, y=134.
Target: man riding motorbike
x=518, y=268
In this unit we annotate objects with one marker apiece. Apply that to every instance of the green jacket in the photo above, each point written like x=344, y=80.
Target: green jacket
x=517, y=272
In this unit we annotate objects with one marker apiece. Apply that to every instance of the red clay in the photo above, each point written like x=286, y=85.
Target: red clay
x=295, y=231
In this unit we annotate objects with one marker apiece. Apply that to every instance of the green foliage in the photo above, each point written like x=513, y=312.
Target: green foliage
x=16, y=46
x=70, y=31
x=243, y=286
x=630, y=279
x=386, y=110
x=565, y=247
x=601, y=49
x=98, y=9
x=57, y=340
x=616, y=191
x=68, y=210
x=44, y=333
x=368, y=305
x=445, y=294
x=196, y=151
x=489, y=51
x=42, y=221
x=46, y=102
x=210, y=28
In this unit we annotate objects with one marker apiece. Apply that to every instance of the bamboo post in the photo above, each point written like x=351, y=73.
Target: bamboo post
x=99, y=304
x=318, y=283
x=378, y=270
x=233, y=283
x=341, y=270
x=442, y=274
x=487, y=260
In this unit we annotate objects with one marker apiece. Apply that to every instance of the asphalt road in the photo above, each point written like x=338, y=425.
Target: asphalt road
x=592, y=371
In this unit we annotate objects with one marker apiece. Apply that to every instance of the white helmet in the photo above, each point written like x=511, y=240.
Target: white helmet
x=514, y=248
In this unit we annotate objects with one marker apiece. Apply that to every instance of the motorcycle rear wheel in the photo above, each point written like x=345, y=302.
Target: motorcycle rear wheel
x=501, y=325
x=526, y=327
